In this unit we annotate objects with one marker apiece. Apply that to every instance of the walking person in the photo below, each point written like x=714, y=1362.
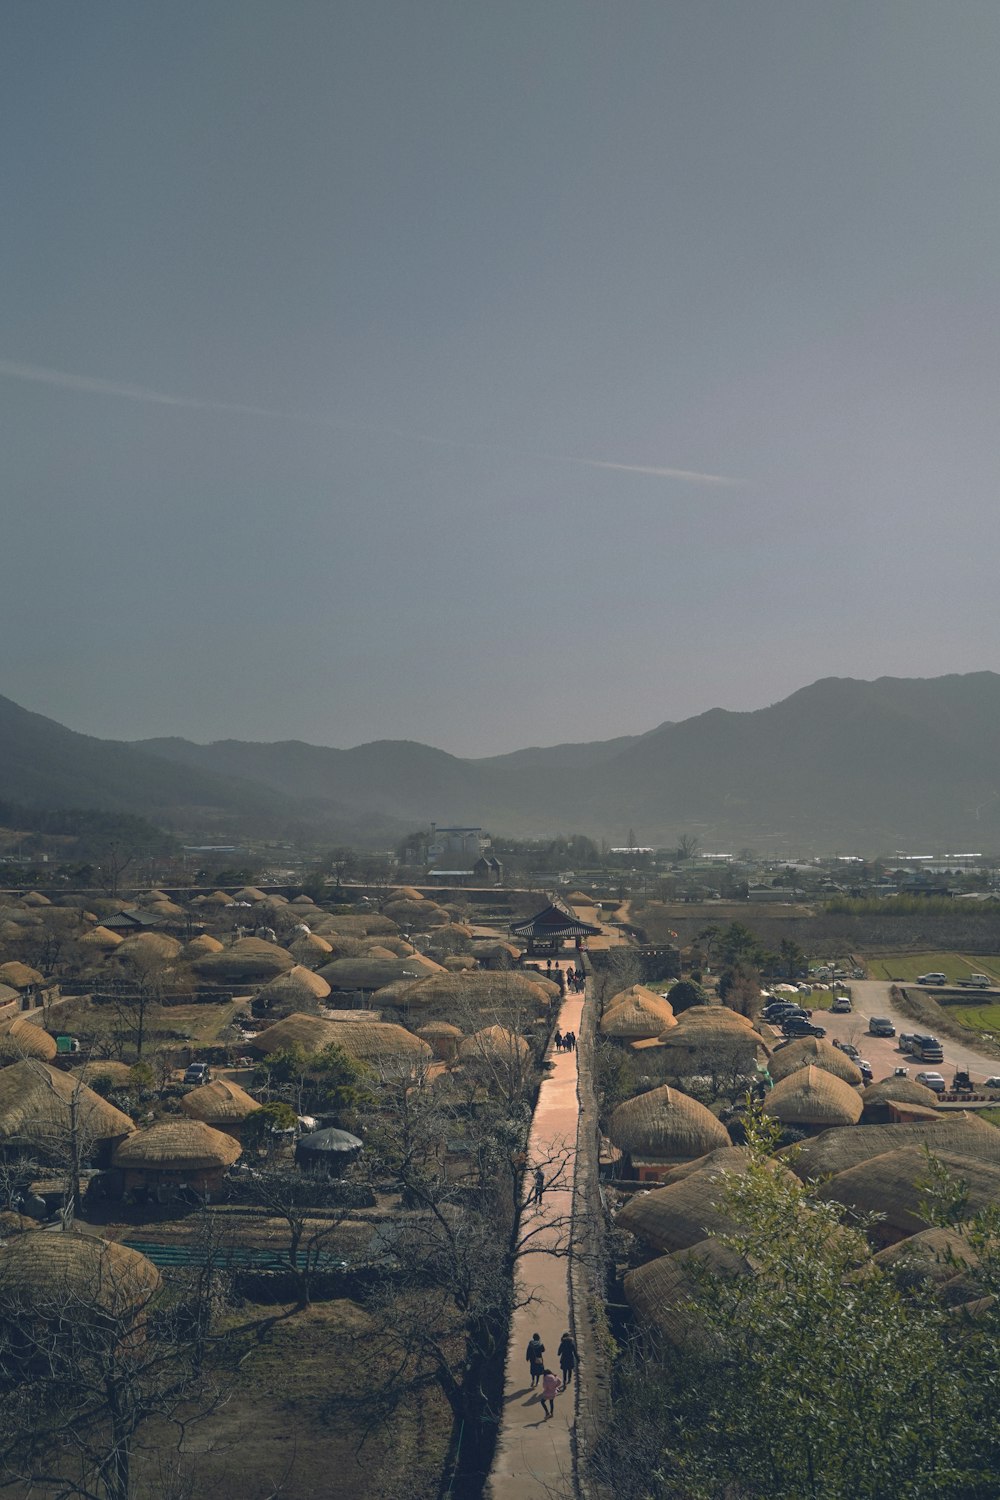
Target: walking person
x=539, y=1185
x=535, y=1355
x=558, y=1039
x=550, y=1387
x=567, y=1359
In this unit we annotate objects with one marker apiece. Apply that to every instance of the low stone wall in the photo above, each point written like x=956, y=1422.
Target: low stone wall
x=589, y=1267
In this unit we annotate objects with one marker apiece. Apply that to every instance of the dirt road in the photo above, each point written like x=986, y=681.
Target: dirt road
x=871, y=998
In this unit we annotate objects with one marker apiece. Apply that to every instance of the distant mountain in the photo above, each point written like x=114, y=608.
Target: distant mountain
x=863, y=765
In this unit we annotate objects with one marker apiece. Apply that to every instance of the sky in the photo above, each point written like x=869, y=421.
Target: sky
x=492, y=374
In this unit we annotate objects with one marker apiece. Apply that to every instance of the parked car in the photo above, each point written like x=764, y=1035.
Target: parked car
x=841, y=1006
x=992, y=1083
x=881, y=1026
x=927, y=1048
x=932, y=979
x=801, y=1026
x=977, y=982
x=933, y=1081
x=906, y=1040
x=865, y=1069
x=779, y=1013
x=198, y=1073
x=848, y=1049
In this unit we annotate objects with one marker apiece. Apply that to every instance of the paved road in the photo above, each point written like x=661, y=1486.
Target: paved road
x=871, y=998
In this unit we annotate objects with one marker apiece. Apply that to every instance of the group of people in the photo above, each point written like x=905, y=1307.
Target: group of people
x=565, y=1041
x=540, y=1373
x=576, y=980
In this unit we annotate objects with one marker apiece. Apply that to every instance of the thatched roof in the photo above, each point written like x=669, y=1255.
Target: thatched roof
x=19, y=976
x=495, y=1042
x=165, y=909
x=724, y=1158
x=202, y=946
x=373, y=948
x=816, y=1052
x=154, y=895
x=961, y=1134
x=177, y=1146
x=8, y=996
x=704, y=1024
x=100, y=938
x=480, y=990
x=302, y=900
x=460, y=963
x=665, y=1125
x=661, y=1291
x=217, y=898
x=679, y=1216
x=219, y=1103
x=149, y=945
x=894, y=1186
x=422, y=914
x=380, y=1041
x=811, y=1096
x=439, y=1028
x=937, y=1255
x=899, y=1091
x=250, y=893
x=75, y=1272
x=636, y=1014
x=313, y=1033
x=406, y=893
x=247, y=960
x=298, y=984
x=309, y=946
x=118, y=1074
x=37, y=1103
x=21, y=1037
x=367, y=973
x=35, y=898
x=494, y=948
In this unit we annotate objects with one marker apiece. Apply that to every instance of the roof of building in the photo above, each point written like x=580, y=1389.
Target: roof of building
x=665, y=1124
x=555, y=921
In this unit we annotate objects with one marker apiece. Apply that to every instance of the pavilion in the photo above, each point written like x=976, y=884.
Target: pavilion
x=548, y=930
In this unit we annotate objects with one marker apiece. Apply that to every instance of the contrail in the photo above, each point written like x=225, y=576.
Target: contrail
x=41, y=375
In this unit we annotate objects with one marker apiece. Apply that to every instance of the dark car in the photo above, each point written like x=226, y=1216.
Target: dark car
x=801, y=1026
x=198, y=1073
x=881, y=1026
x=782, y=1010
x=865, y=1069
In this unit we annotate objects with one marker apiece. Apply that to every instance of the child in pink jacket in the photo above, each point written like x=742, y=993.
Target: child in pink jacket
x=550, y=1385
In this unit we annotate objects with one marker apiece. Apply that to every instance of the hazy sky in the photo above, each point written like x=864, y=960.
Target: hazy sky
x=497, y=372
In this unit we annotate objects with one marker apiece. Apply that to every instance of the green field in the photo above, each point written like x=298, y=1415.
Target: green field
x=907, y=966
x=982, y=1018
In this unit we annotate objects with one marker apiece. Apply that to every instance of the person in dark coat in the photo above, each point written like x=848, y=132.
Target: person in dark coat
x=567, y=1358
x=535, y=1355
x=539, y=1184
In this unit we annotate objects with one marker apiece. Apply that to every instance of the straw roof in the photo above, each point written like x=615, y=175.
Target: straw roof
x=367, y=973
x=937, y=1255
x=637, y=1014
x=460, y=963
x=302, y=900
x=679, y=1216
x=297, y=1030
x=19, y=976
x=250, y=893
x=20, y=1037
x=724, y=1158
x=297, y=985
x=438, y=1029
x=8, y=996
x=219, y=1103
x=12, y=1223
x=961, y=1134
x=41, y=1272
x=665, y=1125
x=373, y=948
x=101, y=938
x=36, y=1108
x=495, y=1042
x=217, y=898
x=149, y=945
x=202, y=946
x=479, y=989
x=813, y=1051
x=35, y=898
x=248, y=960
x=380, y=1041
x=894, y=1186
x=702, y=1023
x=395, y=945
x=660, y=1293
x=406, y=893
x=177, y=1146
x=811, y=1096
x=416, y=913
x=309, y=945
x=899, y=1091
x=494, y=948
x=117, y=1074
x=166, y=908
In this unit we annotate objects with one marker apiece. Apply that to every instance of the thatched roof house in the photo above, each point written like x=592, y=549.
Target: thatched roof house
x=70, y=1277
x=637, y=1013
x=894, y=1186
x=896, y=1098
x=100, y=939
x=149, y=945
x=663, y=1127
x=724, y=1158
x=298, y=985
x=220, y=1103
x=312, y=1033
x=706, y=1031
x=661, y=1292
x=483, y=992
x=37, y=1108
x=176, y=1153
x=687, y=1210
x=21, y=1037
x=815, y=1099
x=248, y=961
x=202, y=946
x=367, y=973
x=442, y=1038
x=375, y=1042
x=960, y=1134
x=495, y=1044
x=937, y=1255
x=815, y=1052
x=309, y=947
x=20, y=976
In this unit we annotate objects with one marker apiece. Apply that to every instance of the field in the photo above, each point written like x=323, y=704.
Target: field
x=982, y=1018
x=907, y=966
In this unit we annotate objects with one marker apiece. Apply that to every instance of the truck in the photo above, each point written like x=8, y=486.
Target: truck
x=976, y=982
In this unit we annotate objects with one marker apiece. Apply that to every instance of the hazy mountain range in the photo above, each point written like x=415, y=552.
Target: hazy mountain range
x=872, y=766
